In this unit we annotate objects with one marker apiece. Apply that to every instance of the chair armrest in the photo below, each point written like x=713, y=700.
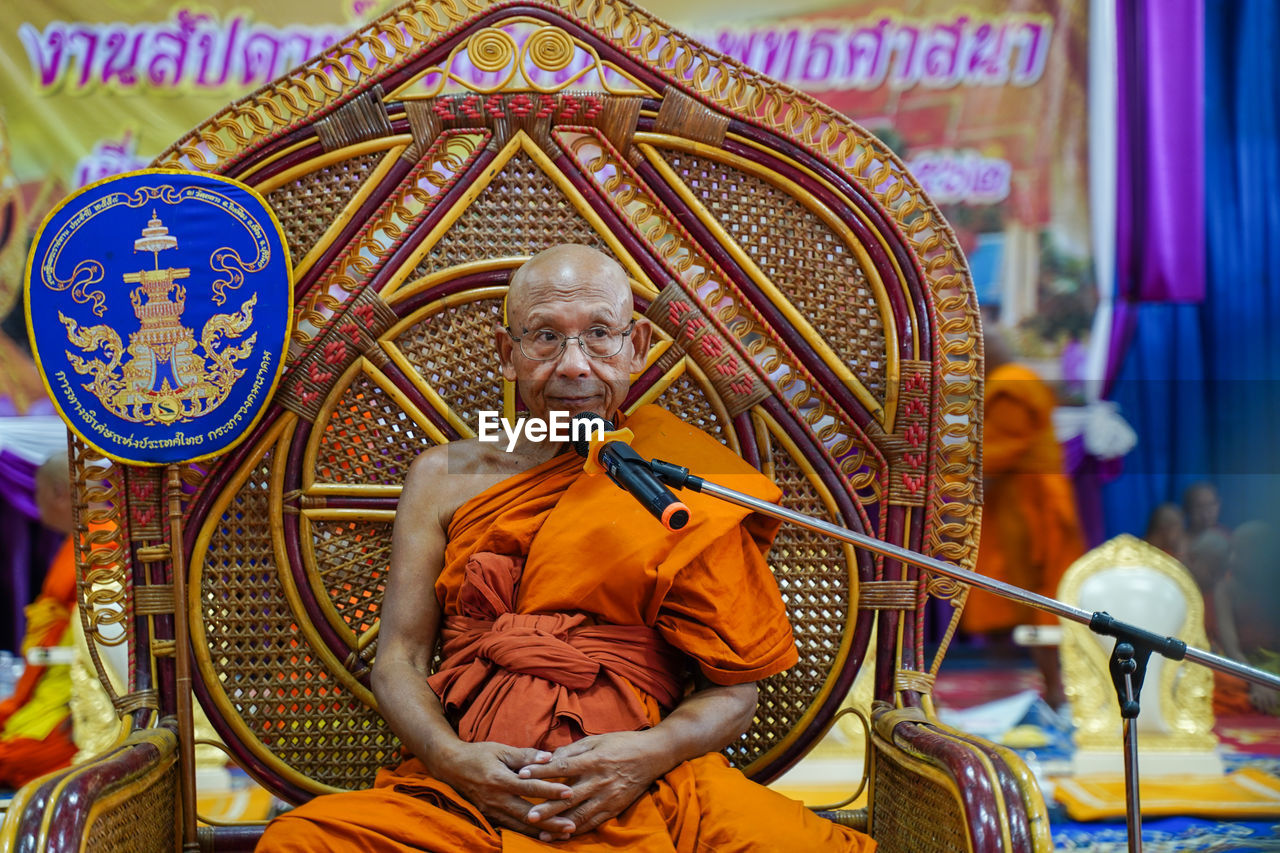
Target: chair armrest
x=124, y=799
x=934, y=789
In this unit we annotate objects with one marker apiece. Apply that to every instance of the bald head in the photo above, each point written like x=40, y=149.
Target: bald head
x=53, y=492
x=567, y=271
x=566, y=291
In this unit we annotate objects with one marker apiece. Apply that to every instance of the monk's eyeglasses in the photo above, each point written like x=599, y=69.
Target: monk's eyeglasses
x=549, y=345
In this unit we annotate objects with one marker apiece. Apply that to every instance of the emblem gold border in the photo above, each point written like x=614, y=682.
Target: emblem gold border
x=284, y=343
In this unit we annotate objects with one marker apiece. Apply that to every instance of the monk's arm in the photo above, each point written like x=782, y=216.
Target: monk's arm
x=485, y=773
x=608, y=772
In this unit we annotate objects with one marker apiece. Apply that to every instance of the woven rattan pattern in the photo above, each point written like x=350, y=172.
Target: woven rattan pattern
x=520, y=213
x=813, y=576
x=286, y=697
x=352, y=559
x=801, y=255
x=453, y=351
x=140, y=823
x=910, y=811
x=307, y=206
x=687, y=399
x=368, y=438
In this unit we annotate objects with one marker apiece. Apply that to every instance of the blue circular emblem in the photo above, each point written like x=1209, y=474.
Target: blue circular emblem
x=159, y=304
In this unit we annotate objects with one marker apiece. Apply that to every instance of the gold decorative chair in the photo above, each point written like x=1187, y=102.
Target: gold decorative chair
x=815, y=315
x=1140, y=584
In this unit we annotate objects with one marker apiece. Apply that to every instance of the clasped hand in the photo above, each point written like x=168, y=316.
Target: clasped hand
x=580, y=785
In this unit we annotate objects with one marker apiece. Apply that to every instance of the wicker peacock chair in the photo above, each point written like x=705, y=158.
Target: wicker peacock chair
x=814, y=313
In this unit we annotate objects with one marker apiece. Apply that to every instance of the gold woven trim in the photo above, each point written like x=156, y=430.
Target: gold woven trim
x=911, y=679
x=425, y=124
x=888, y=595
x=162, y=648
x=618, y=120
x=681, y=115
x=151, y=553
x=682, y=315
x=154, y=599
x=140, y=700
x=359, y=120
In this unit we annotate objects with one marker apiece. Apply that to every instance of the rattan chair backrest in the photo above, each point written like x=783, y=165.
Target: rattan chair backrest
x=812, y=308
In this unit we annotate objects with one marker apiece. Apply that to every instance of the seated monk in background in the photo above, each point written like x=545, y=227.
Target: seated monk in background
x=35, y=722
x=593, y=662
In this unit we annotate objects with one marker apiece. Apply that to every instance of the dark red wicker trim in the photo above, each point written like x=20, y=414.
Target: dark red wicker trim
x=69, y=813
x=975, y=788
x=746, y=432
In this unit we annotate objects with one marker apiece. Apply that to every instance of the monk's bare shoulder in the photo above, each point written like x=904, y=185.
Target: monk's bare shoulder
x=446, y=476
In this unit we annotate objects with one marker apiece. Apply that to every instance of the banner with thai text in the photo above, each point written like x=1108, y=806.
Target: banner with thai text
x=985, y=100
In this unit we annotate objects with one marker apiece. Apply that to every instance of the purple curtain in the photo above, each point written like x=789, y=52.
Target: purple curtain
x=1160, y=220
x=28, y=545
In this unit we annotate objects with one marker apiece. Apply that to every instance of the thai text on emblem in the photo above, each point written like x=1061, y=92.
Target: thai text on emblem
x=164, y=378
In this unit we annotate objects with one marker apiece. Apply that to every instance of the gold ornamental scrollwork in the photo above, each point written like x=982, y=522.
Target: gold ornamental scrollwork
x=550, y=48
x=491, y=49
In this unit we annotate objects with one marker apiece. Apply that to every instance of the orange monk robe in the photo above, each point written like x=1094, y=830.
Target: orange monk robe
x=35, y=723
x=1030, y=527
x=590, y=551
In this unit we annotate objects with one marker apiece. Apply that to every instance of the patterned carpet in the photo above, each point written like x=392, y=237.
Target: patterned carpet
x=1252, y=741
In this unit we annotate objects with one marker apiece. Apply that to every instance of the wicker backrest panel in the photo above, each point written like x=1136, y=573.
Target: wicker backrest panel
x=307, y=206
x=811, y=312
x=452, y=349
x=519, y=214
x=800, y=254
x=262, y=670
x=366, y=437
x=913, y=810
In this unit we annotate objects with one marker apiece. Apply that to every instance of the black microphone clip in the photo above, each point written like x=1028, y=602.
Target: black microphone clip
x=629, y=471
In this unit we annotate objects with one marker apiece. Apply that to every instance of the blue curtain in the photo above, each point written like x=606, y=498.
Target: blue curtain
x=1199, y=382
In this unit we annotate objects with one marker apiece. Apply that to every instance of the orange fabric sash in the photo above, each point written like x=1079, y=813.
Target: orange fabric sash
x=544, y=679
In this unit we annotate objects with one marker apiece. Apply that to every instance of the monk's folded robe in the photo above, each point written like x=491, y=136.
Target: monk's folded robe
x=569, y=611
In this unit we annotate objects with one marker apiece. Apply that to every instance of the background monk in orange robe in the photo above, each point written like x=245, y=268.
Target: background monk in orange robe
x=1030, y=527
x=35, y=722
x=593, y=663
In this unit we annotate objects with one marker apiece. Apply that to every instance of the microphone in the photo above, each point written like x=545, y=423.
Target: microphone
x=628, y=470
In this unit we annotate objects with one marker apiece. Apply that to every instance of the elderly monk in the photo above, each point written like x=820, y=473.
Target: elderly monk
x=593, y=662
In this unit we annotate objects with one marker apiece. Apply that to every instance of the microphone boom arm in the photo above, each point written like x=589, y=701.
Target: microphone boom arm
x=679, y=477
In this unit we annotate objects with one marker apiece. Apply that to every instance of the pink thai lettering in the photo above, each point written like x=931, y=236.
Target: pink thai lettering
x=988, y=63
x=940, y=56
x=46, y=51
x=952, y=177
x=967, y=49
x=905, y=70
x=120, y=63
x=191, y=49
x=167, y=66
x=108, y=157
x=261, y=53
x=87, y=53
x=820, y=65
x=868, y=58
x=1031, y=38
